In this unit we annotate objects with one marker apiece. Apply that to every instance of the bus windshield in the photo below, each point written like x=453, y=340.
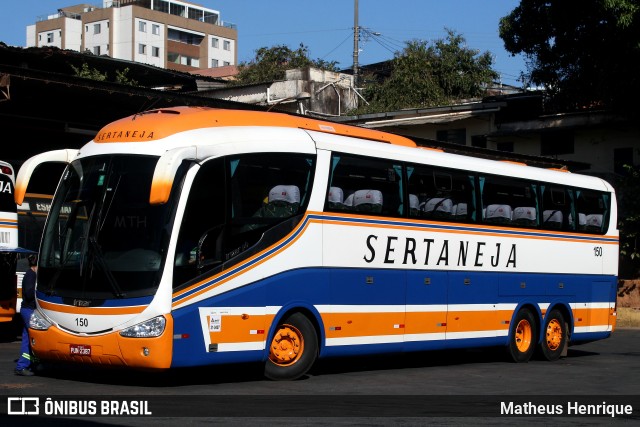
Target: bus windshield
x=103, y=239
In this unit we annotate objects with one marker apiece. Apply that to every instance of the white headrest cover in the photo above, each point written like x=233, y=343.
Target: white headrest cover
x=285, y=193
x=439, y=204
x=413, y=201
x=460, y=209
x=335, y=195
x=551, y=215
x=524, y=212
x=499, y=211
x=594, y=220
x=367, y=196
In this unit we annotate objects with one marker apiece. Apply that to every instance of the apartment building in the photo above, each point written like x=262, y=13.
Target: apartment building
x=171, y=34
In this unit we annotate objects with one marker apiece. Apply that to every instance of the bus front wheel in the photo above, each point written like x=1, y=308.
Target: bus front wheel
x=293, y=349
x=522, y=338
x=555, y=336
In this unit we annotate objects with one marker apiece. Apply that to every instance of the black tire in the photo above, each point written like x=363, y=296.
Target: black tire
x=293, y=349
x=523, y=336
x=554, y=337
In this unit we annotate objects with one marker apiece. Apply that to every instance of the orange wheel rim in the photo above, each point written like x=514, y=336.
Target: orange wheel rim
x=554, y=334
x=523, y=336
x=287, y=346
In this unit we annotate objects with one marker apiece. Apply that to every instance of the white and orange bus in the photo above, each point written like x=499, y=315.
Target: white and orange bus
x=8, y=243
x=193, y=236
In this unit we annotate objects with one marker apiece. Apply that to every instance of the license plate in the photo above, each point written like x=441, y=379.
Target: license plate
x=79, y=350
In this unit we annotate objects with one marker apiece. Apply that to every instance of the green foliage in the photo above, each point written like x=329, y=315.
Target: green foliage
x=270, y=64
x=628, y=189
x=95, y=74
x=579, y=51
x=89, y=73
x=123, y=79
x=425, y=75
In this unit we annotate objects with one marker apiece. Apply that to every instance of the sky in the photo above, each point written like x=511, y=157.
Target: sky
x=326, y=27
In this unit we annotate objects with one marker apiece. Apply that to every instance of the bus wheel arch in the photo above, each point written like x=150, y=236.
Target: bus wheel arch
x=523, y=334
x=554, y=334
x=293, y=347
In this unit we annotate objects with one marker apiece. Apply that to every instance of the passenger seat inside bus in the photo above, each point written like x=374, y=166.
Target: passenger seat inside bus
x=438, y=207
x=367, y=201
x=525, y=215
x=459, y=211
x=552, y=219
x=335, y=199
x=414, y=205
x=593, y=223
x=498, y=214
x=283, y=201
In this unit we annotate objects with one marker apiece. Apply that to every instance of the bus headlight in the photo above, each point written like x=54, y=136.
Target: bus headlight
x=38, y=322
x=148, y=329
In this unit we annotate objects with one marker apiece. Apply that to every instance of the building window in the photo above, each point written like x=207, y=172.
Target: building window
x=178, y=10
x=142, y=27
x=455, y=136
x=96, y=28
x=155, y=51
x=86, y=28
x=155, y=29
x=226, y=45
x=479, y=141
x=556, y=142
x=96, y=50
x=214, y=63
x=49, y=37
x=214, y=42
x=505, y=146
x=225, y=63
x=142, y=49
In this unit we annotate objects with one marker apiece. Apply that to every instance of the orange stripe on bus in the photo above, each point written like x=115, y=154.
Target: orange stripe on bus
x=339, y=325
x=591, y=316
x=236, y=328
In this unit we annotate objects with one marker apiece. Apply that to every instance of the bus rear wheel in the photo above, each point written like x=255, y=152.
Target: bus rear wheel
x=555, y=336
x=293, y=349
x=522, y=338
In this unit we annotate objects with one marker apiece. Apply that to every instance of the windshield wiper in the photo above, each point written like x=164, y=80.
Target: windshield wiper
x=99, y=258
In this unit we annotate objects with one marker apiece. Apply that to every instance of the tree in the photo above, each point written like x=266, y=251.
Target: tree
x=581, y=52
x=424, y=75
x=628, y=187
x=270, y=64
x=94, y=74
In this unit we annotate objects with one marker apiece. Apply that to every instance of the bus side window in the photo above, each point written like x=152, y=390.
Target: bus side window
x=556, y=208
x=592, y=209
x=510, y=202
x=442, y=194
x=353, y=176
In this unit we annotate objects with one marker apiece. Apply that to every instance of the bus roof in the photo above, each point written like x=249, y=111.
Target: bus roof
x=158, y=124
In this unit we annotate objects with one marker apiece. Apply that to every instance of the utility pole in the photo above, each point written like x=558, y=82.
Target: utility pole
x=356, y=33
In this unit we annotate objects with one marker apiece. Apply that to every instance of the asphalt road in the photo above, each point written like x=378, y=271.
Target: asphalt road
x=459, y=387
